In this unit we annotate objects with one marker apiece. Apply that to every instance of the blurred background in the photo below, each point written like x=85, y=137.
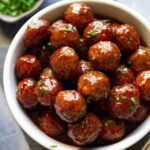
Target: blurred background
x=11, y=136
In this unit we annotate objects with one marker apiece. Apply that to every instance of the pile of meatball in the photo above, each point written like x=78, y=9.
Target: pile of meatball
x=91, y=76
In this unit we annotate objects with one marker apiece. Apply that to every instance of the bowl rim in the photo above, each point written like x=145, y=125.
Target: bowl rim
x=23, y=120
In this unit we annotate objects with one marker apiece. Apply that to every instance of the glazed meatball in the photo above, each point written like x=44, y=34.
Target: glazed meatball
x=79, y=14
x=98, y=31
x=51, y=124
x=104, y=56
x=123, y=75
x=141, y=114
x=143, y=83
x=47, y=90
x=85, y=131
x=127, y=37
x=113, y=130
x=28, y=66
x=140, y=59
x=65, y=62
x=64, y=35
x=84, y=66
x=70, y=106
x=47, y=73
x=94, y=85
x=25, y=93
x=123, y=101
x=56, y=24
x=37, y=33
x=114, y=27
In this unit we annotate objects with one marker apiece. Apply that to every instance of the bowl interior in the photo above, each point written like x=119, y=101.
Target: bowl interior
x=102, y=8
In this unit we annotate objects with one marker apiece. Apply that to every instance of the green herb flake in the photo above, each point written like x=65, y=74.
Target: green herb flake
x=130, y=61
x=130, y=38
x=49, y=44
x=120, y=69
x=110, y=122
x=132, y=108
x=91, y=33
x=67, y=28
x=53, y=147
x=84, y=78
x=134, y=100
x=86, y=122
x=53, y=73
x=42, y=90
x=117, y=97
x=39, y=83
x=58, y=65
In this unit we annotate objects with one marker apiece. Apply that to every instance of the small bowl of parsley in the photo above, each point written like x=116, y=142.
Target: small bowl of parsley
x=13, y=10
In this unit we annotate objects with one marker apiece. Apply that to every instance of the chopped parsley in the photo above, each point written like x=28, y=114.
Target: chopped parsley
x=39, y=83
x=52, y=147
x=120, y=69
x=49, y=44
x=84, y=78
x=130, y=38
x=42, y=90
x=124, y=97
x=134, y=100
x=132, y=108
x=110, y=122
x=67, y=28
x=130, y=61
x=53, y=73
x=86, y=122
x=91, y=33
x=117, y=97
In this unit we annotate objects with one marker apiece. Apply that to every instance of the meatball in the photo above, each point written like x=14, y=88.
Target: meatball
x=98, y=31
x=123, y=101
x=25, y=93
x=28, y=66
x=85, y=131
x=104, y=56
x=79, y=14
x=84, y=66
x=114, y=27
x=113, y=130
x=56, y=24
x=143, y=83
x=37, y=33
x=64, y=35
x=94, y=85
x=65, y=62
x=127, y=37
x=70, y=106
x=47, y=90
x=140, y=59
x=47, y=73
x=51, y=124
x=141, y=114
x=123, y=75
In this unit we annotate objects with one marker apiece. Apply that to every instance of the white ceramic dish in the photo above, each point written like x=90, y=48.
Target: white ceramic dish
x=11, y=19
x=51, y=13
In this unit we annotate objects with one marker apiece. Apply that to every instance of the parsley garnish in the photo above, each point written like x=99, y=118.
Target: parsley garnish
x=86, y=122
x=52, y=147
x=42, y=90
x=117, y=97
x=110, y=122
x=53, y=73
x=134, y=100
x=120, y=69
x=130, y=61
x=124, y=97
x=39, y=83
x=67, y=28
x=84, y=78
x=91, y=33
x=89, y=100
x=132, y=108
x=49, y=44
x=130, y=38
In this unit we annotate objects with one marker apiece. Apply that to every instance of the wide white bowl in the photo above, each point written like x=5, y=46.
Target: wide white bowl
x=51, y=13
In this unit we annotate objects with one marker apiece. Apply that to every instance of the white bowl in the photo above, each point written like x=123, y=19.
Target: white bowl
x=51, y=13
x=11, y=19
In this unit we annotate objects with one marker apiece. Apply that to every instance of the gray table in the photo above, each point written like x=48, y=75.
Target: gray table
x=7, y=32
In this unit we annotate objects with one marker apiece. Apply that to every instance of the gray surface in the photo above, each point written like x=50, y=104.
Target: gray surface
x=11, y=136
